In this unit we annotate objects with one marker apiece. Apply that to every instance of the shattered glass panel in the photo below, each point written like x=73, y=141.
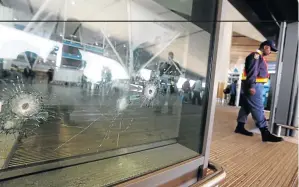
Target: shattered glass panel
x=97, y=81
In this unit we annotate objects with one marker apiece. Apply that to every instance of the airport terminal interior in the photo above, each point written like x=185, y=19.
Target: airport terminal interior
x=144, y=93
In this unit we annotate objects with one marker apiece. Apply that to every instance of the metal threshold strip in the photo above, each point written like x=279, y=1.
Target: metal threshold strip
x=111, y=171
x=213, y=179
x=72, y=161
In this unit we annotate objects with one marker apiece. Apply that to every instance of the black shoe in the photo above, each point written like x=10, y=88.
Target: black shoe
x=241, y=130
x=244, y=132
x=268, y=137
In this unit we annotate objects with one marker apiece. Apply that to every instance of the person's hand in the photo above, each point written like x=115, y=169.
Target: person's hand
x=252, y=91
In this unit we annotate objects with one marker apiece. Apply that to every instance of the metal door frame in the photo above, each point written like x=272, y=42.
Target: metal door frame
x=285, y=40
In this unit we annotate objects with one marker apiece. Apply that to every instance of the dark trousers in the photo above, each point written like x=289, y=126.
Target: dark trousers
x=253, y=104
x=187, y=96
x=232, y=100
x=50, y=78
x=197, y=97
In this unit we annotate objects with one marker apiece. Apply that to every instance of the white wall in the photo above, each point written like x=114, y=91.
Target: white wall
x=183, y=6
x=68, y=75
x=244, y=28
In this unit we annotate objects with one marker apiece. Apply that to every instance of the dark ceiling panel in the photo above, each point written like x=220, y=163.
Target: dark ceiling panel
x=285, y=10
x=266, y=15
x=265, y=25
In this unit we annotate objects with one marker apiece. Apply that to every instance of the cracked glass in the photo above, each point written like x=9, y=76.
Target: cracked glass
x=86, y=77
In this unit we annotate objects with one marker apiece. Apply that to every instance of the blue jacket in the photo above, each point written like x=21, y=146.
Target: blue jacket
x=256, y=69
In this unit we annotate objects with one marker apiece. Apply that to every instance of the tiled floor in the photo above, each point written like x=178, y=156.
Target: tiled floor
x=247, y=160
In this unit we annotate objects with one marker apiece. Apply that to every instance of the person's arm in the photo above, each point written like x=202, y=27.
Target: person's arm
x=192, y=88
x=251, y=66
x=178, y=66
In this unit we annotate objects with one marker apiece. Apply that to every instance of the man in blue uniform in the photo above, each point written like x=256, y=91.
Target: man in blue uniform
x=255, y=75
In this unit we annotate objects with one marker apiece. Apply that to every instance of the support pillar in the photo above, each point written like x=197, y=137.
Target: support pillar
x=224, y=51
x=114, y=50
x=37, y=15
x=40, y=24
x=224, y=48
x=131, y=54
x=159, y=52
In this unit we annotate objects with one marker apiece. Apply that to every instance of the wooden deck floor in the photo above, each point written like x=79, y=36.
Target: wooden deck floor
x=247, y=160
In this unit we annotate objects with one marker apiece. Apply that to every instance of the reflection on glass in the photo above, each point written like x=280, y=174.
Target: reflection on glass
x=73, y=88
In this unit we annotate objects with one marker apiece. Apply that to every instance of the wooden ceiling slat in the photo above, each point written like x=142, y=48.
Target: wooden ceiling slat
x=243, y=46
x=244, y=41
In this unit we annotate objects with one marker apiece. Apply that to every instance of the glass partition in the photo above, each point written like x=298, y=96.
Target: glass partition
x=80, y=77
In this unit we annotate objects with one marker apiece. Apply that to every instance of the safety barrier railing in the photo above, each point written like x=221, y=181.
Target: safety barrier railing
x=279, y=126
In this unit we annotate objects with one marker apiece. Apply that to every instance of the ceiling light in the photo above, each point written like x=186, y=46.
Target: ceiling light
x=73, y=2
x=15, y=19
